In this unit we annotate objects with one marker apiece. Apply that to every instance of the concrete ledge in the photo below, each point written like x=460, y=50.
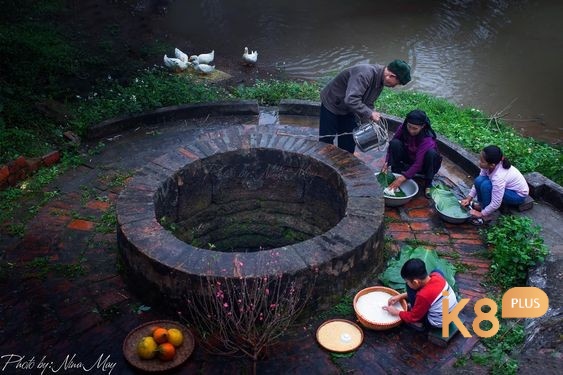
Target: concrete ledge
x=172, y=113
x=549, y=191
x=299, y=107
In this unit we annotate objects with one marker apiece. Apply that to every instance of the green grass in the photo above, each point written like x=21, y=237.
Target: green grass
x=270, y=92
x=152, y=88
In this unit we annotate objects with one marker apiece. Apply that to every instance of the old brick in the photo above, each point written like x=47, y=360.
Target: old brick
x=392, y=214
x=402, y=236
x=418, y=213
x=98, y=205
x=51, y=158
x=33, y=164
x=4, y=173
x=80, y=224
x=421, y=226
x=437, y=238
x=110, y=298
x=20, y=162
x=398, y=227
x=418, y=202
x=465, y=234
x=468, y=241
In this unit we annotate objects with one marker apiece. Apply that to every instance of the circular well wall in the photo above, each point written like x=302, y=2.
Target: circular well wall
x=244, y=202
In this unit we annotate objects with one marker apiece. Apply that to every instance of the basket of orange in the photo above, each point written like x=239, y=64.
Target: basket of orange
x=158, y=345
x=368, y=306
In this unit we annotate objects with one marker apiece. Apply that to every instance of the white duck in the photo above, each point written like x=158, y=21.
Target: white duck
x=204, y=58
x=180, y=55
x=249, y=58
x=203, y=68
x=175, y=64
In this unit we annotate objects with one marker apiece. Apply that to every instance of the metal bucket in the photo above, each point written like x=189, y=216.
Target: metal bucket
x=367, y=137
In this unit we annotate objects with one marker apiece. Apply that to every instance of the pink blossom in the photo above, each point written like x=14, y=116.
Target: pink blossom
x=225, y=304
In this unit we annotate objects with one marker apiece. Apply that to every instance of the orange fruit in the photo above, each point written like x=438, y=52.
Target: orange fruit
x=160, y=335
x=152, y=328
x=166, y=351
x=146, y=348
x=175, y=337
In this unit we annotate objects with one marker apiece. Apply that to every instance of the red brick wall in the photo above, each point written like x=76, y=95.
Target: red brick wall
x=21, y=168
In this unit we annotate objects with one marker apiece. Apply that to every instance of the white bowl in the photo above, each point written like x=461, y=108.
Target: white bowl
x=409, y=187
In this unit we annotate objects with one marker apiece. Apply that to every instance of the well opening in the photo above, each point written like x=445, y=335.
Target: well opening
x=252, y=200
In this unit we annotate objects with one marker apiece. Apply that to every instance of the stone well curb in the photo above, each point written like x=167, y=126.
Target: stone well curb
x=155, y=257
x=541, y=187
x=172, y=113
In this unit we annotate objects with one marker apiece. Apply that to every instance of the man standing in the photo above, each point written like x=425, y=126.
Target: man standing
x=352, y=94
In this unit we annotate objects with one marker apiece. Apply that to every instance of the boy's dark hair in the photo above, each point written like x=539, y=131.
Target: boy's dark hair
x=414, y=269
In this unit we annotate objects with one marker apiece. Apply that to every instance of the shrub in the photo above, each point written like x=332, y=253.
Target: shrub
x=245, y=315
x=270, y=92
x=517, y=246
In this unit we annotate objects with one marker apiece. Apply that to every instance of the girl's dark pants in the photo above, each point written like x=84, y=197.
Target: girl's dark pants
x=399, y=161
x=331, y=125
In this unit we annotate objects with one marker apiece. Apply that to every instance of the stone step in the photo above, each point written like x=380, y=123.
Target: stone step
x=436, y=338
x=527, y=205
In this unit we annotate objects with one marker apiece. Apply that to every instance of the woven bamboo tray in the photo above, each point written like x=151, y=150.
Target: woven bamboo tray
x=156, y=365
x=340, y=335
x=374, y=325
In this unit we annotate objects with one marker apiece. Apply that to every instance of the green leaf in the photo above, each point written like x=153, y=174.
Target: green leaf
x=391, y=277
x=447, y=203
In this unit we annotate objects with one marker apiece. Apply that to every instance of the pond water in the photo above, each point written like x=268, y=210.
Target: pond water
x=501, y=56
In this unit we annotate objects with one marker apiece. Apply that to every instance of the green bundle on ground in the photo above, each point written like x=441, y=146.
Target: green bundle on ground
x=385, y=179
x=447, y=203
x=391, y=277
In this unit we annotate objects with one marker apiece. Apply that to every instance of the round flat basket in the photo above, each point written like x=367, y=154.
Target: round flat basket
x=383, y=321
x=340, y=335
x=183, y=351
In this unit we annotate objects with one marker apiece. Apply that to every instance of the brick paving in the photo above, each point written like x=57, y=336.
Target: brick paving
x=63, y=297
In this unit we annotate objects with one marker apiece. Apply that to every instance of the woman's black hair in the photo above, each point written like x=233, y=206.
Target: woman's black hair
x=419, y=117
x=493, y=155
x=414, y=269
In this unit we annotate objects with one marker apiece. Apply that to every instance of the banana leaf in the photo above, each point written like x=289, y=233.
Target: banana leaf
x=391, y=277
x=447, y=203
x=385, y=179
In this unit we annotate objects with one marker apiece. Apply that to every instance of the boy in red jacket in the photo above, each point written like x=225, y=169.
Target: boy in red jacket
x=424, y=293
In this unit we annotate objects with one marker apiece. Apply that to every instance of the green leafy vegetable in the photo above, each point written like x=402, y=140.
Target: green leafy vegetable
x=391, y=277
x=385, y=179
x=447, y=203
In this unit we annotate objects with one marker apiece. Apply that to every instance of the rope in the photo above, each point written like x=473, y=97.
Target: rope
x=381, y=130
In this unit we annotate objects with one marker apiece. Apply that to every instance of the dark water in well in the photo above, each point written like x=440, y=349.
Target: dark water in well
x=504, y=57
